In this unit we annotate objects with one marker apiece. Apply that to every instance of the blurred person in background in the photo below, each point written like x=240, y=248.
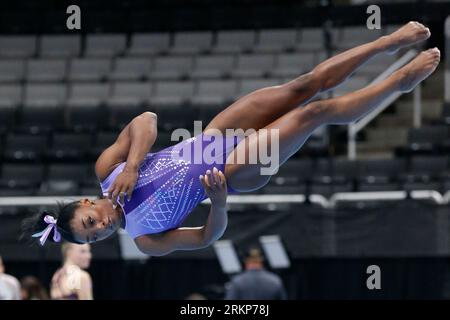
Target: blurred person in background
x=255, y=283
x=71, y=281
x=9, y=285
x=32, y=289
x=195, y=296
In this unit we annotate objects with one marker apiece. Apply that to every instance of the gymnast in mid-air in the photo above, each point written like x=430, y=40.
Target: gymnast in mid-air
x=151, y=194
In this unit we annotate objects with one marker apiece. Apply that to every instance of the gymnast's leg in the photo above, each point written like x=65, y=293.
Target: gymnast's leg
x=261, y=107
x=297, y=125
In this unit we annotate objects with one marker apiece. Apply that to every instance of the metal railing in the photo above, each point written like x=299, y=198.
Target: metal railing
x=357, y=126
x=317, y=199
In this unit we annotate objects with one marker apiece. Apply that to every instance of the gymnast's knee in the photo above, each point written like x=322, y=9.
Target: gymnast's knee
x=308, y=82
x=318, y=111
x=325, y=78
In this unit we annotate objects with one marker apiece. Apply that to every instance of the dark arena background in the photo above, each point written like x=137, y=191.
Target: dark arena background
x=373, y=193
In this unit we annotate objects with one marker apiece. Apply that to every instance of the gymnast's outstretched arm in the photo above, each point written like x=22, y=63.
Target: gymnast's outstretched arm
x=132, y=144
x=197, y=237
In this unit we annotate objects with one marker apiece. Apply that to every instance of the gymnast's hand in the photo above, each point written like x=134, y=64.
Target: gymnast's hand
x=215, y=186
x=123, y=185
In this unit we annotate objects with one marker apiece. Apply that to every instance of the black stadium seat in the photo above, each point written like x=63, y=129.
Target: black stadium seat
x=69, y=146
x=21, y=175
x=25, y=147
x=103, y=140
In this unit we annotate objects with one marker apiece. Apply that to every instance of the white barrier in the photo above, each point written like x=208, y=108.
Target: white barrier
x=317, y=199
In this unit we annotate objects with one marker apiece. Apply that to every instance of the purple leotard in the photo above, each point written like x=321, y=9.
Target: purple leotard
x=168, y=186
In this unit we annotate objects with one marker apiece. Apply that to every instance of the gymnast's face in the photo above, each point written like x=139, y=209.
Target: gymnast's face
x=95, y=220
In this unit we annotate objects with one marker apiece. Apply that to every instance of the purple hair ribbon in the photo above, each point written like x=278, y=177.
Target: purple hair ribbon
x=51, y=221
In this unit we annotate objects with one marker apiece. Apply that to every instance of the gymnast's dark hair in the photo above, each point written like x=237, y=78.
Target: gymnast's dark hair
x=64, y=215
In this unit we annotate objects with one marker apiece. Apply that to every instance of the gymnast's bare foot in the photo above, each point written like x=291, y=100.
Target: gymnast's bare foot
x=418, y=69
x=410, y=33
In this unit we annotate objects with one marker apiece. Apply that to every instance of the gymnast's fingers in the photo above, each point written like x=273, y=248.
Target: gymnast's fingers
x=203, y=182
x=111, y=194
x=122, y=195
x=209, y=178
x=216, y=177
x=222, y=179
x=130, y=192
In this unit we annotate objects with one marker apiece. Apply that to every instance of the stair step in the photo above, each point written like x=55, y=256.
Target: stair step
x=369, y=151
x=387, y=136
x=385, y=121
x=431, y=109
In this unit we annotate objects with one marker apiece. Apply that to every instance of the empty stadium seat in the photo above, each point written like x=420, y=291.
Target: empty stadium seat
x=354, y=36
x=60, y=46
x=43, y=106
x=58, y=188
x=212, y=67
x=91, y=191
x=90, y=69
x=432, y=135
x=48, y=95
x=276, y=40
x=388, y=168
x=129, y=69
x=46, y=70
x=191, y=42
x=10, y=99
x=172, y=94
x=130, y=94
x=67, y=171
x=105, y=45
x=234, y=41
x=25, y=146
x=84, y=117
x=292, y=64
x=253, y=65
x=88, y=95
x=171, y=68
x=144, y=44
x=180, y=117
x=103, y=140
x=293, y=172
x=311, y=39
x=69, y=146
x=18, y=46
x=15, y=175
x=214, y=93
x=11, y=95
x=120, y=116
x=12, y=71
x=429, y=165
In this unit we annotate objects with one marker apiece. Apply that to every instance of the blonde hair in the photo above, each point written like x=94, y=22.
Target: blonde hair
x=64, y=249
